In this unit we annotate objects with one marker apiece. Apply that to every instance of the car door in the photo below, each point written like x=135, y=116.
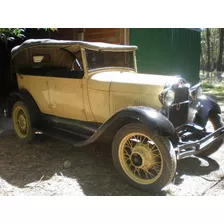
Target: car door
x=37, y=86
x=66, y=96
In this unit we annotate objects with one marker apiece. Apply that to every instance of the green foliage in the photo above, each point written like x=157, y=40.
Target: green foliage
x=212, y=88
x=9, y=34
x=206, y=85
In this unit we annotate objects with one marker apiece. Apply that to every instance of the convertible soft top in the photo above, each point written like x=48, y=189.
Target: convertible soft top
x=69, y=45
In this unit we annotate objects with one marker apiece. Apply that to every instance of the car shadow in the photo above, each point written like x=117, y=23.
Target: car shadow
x=91, y=167
x=194, y=166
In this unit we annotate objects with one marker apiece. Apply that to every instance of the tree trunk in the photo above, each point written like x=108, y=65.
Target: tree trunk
x=208, y=67
x=202, y=67
x=219, y=61
x=221, y=38
x=212, y=55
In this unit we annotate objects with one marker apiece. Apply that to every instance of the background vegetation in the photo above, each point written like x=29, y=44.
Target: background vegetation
x=10, y=34
x=212, y=53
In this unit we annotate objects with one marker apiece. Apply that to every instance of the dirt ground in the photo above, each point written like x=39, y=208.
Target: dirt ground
x=38, y=169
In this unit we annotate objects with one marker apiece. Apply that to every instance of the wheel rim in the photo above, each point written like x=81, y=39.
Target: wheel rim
x=140, y=158
x=20, y=122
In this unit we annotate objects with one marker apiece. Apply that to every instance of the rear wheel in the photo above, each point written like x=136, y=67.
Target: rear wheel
x=22, y=123
x=214, y=123
x=147, y=162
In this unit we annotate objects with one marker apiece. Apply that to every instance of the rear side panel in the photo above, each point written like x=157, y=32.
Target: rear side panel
x=37, y=86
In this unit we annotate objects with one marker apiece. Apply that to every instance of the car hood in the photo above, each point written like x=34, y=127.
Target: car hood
x=130, y=82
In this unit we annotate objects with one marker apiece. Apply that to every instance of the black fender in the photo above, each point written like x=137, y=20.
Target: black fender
x=201, y=108
x=10, y=101
x=27, y=98
x=155, y=122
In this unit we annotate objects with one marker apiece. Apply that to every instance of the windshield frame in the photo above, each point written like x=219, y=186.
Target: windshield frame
x=85, y=62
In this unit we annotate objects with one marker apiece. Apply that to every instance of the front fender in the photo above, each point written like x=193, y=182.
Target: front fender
x=202, y=107
x=155, y=122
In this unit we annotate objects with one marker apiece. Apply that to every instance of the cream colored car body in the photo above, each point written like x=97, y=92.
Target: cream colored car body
x=95, y=97
x=117, y=90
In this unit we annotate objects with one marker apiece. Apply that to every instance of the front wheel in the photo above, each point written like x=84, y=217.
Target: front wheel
x=214, y=123
x=146, y=161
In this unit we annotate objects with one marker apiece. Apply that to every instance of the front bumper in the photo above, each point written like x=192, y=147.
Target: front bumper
x=193, y=148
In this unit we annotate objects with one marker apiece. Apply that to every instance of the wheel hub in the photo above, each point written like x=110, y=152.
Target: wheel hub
x=142, y=156
x=136, y=159
x=22, y=122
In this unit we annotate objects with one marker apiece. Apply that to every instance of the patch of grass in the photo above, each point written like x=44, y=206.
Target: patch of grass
x=215, y=91
x=212, y=88
x=206, y=85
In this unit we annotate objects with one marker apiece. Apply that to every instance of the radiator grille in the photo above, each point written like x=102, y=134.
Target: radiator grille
x=178, y=113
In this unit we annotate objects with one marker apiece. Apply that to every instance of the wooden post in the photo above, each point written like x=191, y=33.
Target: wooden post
x=126, y=36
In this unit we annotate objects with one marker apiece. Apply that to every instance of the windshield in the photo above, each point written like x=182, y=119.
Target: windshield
x=104, y=59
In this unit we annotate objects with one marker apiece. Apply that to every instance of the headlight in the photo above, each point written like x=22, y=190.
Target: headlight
x=169, y=97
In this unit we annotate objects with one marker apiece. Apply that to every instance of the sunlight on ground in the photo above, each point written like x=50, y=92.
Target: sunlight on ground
x=57, y=185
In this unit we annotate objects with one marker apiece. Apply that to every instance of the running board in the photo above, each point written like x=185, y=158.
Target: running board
x=63, y=135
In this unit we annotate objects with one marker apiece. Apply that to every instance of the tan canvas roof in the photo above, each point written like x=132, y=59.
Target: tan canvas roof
x=71, y=46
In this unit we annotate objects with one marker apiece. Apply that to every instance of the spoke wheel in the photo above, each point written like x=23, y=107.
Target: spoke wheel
x=146, y=161
x=140, y=158
x=21, y=122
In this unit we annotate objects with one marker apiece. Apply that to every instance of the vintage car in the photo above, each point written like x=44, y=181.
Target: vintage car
x=89, y=93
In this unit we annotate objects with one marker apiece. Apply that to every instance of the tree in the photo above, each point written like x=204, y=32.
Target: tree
x=221, y=39
x=208, y=66
x=211, y=50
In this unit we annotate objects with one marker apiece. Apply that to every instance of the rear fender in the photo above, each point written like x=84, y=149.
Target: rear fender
x=26, y=97
x=10, y=101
